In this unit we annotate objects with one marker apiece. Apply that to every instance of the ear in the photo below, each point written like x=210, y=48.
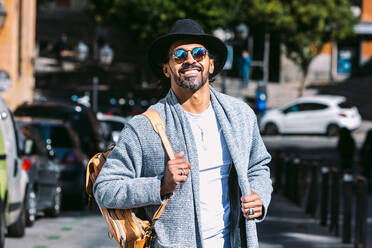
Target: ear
x=166, y=70
x=211, y=66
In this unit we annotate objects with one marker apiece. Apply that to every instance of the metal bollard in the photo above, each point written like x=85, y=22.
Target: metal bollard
x=305, y=181
x=279, y=161
x=288, y=177
x=348, y=196
x=296, y=181
x=335, y=201
x=361, y=213
x=313, y=191
x=324, y=197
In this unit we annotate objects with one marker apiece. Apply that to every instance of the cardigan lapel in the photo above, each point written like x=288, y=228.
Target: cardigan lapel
x=186, y=140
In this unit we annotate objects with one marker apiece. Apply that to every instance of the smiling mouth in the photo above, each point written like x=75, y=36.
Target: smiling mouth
x=191, y=72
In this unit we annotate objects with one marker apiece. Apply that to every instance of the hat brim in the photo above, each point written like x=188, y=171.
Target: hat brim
x=159, y=49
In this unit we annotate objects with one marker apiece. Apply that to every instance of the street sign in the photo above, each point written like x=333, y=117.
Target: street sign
x=344, y=61
x=4, y=80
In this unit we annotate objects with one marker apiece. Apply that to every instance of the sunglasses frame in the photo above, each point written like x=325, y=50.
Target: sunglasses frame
x=180, y=61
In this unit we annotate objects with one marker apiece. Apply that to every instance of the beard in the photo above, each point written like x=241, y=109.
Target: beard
x=193, y=83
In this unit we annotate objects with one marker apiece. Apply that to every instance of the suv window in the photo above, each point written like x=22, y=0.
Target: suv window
x=305, y=107
x=293, y=108
x=81, y=119
x=345, y=105
x=314, y=106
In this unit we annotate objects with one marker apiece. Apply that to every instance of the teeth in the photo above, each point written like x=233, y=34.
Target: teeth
x=191, y=72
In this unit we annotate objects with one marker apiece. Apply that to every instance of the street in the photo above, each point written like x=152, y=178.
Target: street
x=88, y=229
x=73, y=229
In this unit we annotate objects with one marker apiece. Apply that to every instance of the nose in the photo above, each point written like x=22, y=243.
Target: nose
x=190, y=59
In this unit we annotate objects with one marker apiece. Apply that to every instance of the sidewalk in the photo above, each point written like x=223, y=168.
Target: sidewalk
x=287, y=225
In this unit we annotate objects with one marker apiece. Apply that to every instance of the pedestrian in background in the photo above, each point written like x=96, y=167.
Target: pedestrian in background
x=366, y=157
x=244, y=63
x=219, y=152
x=346, y=149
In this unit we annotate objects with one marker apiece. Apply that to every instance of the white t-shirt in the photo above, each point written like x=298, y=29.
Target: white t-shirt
x=214, y=166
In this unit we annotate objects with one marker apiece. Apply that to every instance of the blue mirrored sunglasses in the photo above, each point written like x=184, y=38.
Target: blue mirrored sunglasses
x=180, y=55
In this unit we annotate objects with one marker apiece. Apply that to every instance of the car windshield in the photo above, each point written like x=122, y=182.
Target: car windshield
x=346, y=105
x=58, y=136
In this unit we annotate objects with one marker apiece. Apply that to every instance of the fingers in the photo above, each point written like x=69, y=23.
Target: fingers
x=257, y=212
x=180, y=155
x=179, y=160
x=177, y=171
x=252, y=201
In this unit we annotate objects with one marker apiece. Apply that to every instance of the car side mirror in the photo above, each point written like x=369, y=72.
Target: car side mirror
x=29, y=147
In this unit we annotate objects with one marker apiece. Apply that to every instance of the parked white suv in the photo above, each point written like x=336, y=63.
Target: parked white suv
x=13, y=179
x=324, y=114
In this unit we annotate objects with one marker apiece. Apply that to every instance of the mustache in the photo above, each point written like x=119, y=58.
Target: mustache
x=189, y=66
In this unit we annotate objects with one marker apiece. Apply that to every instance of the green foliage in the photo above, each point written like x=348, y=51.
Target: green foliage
x=150, y=18
x=304, y=25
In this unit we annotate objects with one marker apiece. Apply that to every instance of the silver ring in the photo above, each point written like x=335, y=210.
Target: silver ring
x=183, y=172
x=250, y=211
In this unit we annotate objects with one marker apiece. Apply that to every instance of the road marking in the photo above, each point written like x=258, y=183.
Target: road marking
x=55, y=237
x=66, y=229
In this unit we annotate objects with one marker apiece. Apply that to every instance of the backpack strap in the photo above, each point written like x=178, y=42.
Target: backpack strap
x=159, y=127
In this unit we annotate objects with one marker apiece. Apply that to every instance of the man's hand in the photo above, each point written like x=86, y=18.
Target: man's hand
x=177, y=171
x=252, y=201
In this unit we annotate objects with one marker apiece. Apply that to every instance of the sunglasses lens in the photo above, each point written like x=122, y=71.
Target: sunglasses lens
x=180, y=55
x=198, y=53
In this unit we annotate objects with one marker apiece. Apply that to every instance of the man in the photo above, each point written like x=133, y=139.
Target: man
x=220, y=153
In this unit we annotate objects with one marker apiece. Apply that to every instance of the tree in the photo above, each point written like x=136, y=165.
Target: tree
x=148, y=19
x=305, y=26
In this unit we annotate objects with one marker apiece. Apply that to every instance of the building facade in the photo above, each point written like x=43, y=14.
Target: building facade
x=17, y=50
x=338, y=60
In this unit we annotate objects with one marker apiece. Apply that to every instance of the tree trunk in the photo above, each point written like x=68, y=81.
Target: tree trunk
x=301, y=89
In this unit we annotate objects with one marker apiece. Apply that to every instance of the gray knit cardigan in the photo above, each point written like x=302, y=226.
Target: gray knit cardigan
x=132, y=175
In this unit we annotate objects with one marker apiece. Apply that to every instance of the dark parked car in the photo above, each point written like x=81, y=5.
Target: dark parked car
x=62, y=139
x=43, y=191
x=81, y=118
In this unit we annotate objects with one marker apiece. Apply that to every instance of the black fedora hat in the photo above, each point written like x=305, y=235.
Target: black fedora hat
x=186, y=29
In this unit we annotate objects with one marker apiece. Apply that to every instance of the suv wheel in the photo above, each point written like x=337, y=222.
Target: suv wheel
x=55, y=209
x=2, y=226
x=271, y=129
x=18, y=228
x=332, y=130
x=31, y=208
